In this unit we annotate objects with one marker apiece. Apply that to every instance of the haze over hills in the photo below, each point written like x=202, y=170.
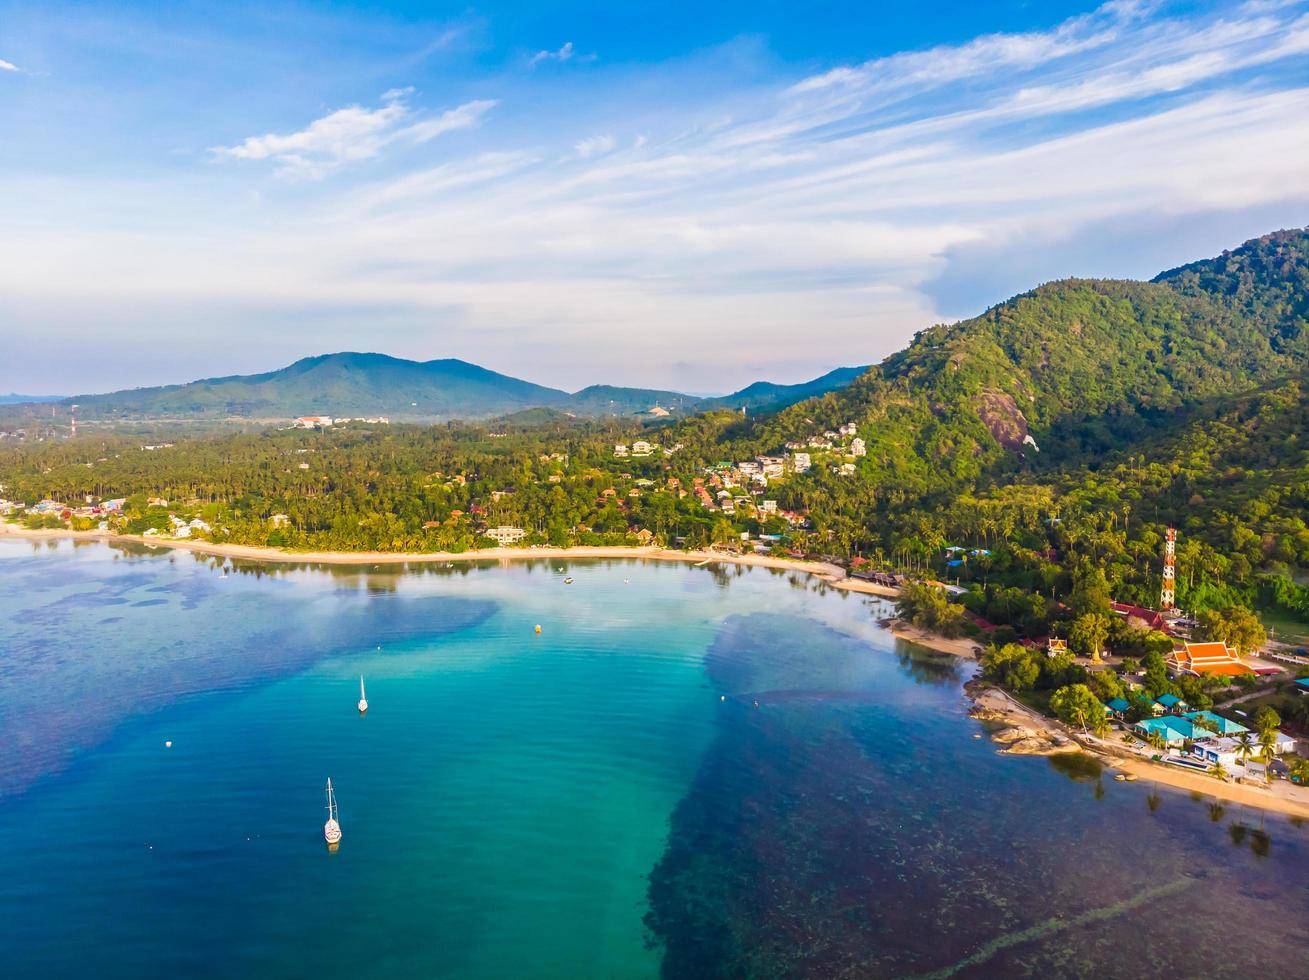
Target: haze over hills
x=17, y=399
x=351, y=384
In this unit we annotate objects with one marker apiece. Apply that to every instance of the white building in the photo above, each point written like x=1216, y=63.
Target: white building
x=802, y=462
x=857, y=447
x=847, y=469
x=621, y=450
x=643, y=448
x=505, y=535
x=310, y=422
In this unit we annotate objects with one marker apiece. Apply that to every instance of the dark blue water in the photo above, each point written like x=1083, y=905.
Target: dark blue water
x=688, y=772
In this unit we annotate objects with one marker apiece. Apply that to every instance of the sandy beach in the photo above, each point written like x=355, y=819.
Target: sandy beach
x=833, y=575
x=962, y=646
x=1277, y=798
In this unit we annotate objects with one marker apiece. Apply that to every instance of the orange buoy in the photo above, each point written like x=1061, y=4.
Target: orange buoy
x=538, y=627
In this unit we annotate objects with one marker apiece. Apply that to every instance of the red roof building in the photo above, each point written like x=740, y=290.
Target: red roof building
x=1149, y=618
x=1207, y=659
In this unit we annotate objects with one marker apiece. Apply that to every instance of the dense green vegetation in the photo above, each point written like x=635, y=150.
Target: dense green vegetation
x=1060, y=432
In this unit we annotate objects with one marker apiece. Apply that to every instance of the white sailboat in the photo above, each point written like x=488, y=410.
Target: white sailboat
x=331, y=829
x=363, y=701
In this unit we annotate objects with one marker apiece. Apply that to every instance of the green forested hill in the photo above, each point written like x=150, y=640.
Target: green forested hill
x=1062, y=429
x=1083, y=367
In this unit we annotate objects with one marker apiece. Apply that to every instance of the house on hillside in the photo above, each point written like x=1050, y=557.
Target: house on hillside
x=312, y=422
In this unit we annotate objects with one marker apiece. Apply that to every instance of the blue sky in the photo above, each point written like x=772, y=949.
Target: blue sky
x=676, y=195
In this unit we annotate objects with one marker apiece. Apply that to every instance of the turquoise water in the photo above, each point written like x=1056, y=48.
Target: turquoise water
x=689, y=772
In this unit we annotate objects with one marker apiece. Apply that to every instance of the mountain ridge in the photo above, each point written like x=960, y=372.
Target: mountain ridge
x=366, y=383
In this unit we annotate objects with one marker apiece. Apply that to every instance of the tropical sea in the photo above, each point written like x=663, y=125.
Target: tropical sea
x=690, y=771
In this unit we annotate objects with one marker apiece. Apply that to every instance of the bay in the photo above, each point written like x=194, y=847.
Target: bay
x=688, y=771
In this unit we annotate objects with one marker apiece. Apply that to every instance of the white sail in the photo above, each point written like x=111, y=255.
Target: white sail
x=331, y=829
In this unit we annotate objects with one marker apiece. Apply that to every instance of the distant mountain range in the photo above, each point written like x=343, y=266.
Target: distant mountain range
x=16, y=399
x=352, y=384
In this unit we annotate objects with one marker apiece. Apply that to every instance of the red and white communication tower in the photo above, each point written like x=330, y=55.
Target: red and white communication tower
x=1168, y=595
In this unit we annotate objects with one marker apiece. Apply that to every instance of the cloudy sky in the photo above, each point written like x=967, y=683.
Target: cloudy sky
x=680, y=195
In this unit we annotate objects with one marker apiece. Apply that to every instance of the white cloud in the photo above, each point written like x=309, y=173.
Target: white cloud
x=594, y=146
x=7, y=65
x=351, y=134
x=810, y=219
x=565, y=53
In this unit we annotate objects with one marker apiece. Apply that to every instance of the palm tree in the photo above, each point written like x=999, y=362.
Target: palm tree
x=1268, y=751
x=1217, y=771
x=1244, y=747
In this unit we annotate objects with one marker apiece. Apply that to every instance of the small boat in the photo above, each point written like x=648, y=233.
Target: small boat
x=331, y=829
x=363, y=701
x=569, y=580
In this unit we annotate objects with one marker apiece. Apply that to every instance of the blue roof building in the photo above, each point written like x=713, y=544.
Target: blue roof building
x=1171, y=702
x=1118, y=706
x=1225, y=726
x=1174, y=730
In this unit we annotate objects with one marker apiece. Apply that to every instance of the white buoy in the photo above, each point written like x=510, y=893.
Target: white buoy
x=168, y=745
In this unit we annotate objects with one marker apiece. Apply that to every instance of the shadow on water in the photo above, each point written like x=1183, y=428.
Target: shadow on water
x=1077, y=766
x=872, y=837
x=927, y=666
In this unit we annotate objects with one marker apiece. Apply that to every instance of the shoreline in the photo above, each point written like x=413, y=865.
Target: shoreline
x=992, y=703
x=833, y=575
x=984, y=695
